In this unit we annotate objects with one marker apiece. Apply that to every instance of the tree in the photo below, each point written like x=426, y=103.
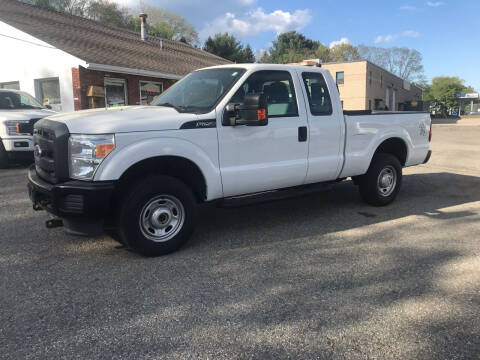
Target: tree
x=160, y=22
x=324, y=54
x=108, y=13
x=404, y=62
x=295, y=47
x=228, y=47
x=344, y=52
x=248, y=55
x=291, y=46
x=442, y=92
x=166, y=24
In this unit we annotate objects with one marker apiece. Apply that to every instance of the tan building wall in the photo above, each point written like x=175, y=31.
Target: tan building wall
x=353, y=90
x=369, y=87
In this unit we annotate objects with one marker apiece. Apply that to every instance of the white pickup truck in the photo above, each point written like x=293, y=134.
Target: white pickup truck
x=229, y=134
x=18, y=113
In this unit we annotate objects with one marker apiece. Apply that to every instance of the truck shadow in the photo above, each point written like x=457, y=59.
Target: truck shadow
x=338, y=209
x=290, y=279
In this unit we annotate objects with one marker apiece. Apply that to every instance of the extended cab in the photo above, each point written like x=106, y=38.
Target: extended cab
x=18, y=113
x=228, y=134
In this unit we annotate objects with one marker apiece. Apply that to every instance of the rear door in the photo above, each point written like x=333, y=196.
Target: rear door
x=326, y=127
x=259, y=158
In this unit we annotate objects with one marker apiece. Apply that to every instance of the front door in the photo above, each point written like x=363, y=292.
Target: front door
x=259, y=158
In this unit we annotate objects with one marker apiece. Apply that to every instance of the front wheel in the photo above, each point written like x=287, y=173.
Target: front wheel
x=157, y=216
x=382, y=182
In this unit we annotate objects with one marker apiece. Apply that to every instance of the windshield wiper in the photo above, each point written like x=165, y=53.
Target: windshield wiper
x=178, y=108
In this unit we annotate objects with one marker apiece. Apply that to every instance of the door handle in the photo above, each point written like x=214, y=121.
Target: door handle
x=302, y=133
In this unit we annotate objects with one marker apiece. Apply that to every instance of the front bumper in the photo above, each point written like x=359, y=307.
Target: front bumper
x=18, y=144
x=71, y=199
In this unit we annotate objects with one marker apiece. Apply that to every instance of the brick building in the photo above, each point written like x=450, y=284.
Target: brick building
x=72, y=63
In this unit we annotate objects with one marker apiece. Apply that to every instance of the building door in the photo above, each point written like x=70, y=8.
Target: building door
x=387, y=98
x=115, y=92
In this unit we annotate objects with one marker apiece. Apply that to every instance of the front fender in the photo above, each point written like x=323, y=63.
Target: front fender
x=122, y=158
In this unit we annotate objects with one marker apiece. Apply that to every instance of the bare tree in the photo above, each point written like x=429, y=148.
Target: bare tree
x=404, y=62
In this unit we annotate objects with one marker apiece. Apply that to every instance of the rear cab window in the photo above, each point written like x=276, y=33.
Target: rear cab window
x=317, y=92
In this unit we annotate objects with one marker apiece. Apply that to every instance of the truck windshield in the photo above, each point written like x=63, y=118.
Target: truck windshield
x=15, y=100
x=199, y=91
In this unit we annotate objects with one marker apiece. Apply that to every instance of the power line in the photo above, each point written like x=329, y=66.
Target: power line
x=29, y=42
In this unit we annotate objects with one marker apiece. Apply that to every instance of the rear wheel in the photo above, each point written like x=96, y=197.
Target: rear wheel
x=382, y=182
x=157, y=216
x=3, y=156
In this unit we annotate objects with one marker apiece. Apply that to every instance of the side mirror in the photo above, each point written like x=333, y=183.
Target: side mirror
x=253, y=112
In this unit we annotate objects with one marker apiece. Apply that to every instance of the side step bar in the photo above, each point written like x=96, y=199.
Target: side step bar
x=274, y=195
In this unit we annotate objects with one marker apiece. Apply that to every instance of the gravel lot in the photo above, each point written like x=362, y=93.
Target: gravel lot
x=322, y=276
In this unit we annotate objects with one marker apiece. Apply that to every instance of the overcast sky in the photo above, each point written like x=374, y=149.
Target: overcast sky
x=445, y=32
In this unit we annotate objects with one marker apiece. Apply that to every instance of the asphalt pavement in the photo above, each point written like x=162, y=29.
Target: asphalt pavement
x=318, y=277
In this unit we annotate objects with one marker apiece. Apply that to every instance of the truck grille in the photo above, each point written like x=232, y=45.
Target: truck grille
x=50, y=139
x=27, y=127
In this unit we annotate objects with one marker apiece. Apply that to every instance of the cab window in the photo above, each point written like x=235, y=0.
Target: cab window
x=317, y=93
x=278, y=88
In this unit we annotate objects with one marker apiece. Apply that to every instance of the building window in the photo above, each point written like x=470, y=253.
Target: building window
x=381, y=80
x=12, y=85
x=149, y=90
x=115, y=92
x=369, y=104
x=48, y=92
x=340, y=77
x=370, y=79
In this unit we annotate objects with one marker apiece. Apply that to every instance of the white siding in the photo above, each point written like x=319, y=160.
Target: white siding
x=25, y=58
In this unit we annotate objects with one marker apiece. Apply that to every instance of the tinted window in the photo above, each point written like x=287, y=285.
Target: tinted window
x=277, y=86
x=317, y=92
x=17, y=100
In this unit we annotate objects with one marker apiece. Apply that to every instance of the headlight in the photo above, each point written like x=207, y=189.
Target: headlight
x=86, y=152
x=13, y=126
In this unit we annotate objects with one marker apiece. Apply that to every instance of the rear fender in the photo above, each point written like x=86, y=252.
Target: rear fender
x=361, y=147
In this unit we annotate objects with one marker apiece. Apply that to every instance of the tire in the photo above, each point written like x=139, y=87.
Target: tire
x=157, y=216
x=382, y=182
x=3, y=156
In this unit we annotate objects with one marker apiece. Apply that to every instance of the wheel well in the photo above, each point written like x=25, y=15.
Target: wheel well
x=395, y=147
x=175, y=166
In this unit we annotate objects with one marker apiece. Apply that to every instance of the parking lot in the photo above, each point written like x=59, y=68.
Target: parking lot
x=323, y=276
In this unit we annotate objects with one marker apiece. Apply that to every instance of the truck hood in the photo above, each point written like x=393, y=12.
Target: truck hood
x=123, y=119
x=24, y=114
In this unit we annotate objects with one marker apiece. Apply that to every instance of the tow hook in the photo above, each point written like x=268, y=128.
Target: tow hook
x=36, y=207
x=53, y=223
